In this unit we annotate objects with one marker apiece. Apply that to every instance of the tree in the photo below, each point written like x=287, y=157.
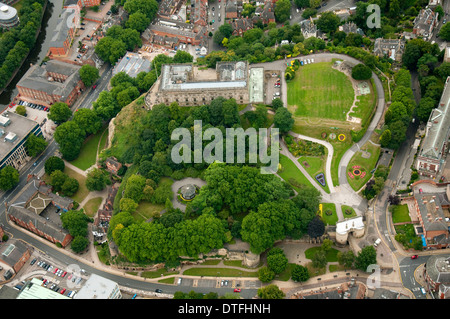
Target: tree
x=54, y=163
x=138, y=21
x=265, y=274
x=128, y=205
x=70, y=186
x=319, y=259
x=57, y=180
x=9, y=178
x=444, y=33
x=270, y=292
x=96, y=180
x=79, y=244
x=361, y=72
x=59, y=112
x=277, y=260
x=88, y=74
x=346, y=258
x=282, y=10
x=87, y=120
x=182, y=57
x=35, y=145
x=21, y=110
x=76, y=222
x=316, y=227
x=110, y=50
x=277, y=103
x=328, y=22
x=385, y=138
x=106, y=105
x=283, y=120
x=411, y=55
x=147, y=7
x=70, y=139
x=134, y=188
x=366, y=257
x=424, y=108
x=300, y=273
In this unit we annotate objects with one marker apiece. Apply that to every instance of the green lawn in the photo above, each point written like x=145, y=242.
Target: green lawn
x=365, y=105
x=290, y=173
x=92, y=205
x=146, y=210
x=320, y=91
x=88, y=153
x=315, y=165
x=331, y=254
x=365, y=165
x=329, y=219
x=352, y=214
x=400, y=214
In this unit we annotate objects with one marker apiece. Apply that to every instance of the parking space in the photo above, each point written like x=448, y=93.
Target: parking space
x=273, y=89
x=37, y=113
x=64, y=280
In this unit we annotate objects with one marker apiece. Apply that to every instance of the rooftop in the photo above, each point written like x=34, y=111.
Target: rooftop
x=132, y=64
x=62, y=28
x=7, y=12
x=34, y=290
x=96, y=287
x=182, y=77
x=431, y=211
x=438, y=127
x=438, y=268
x=17, y=124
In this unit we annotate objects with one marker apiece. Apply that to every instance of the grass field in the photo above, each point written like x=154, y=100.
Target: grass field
x=316, y=165
x=400, y=214
x=290, y=171
x=352, y=211
x=92, y=205
x=366, y=164
x=320, y=91
x=88, y=153
x=329, y=219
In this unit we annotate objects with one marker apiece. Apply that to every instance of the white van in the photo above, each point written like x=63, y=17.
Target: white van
x=179, y=281
x=277, y=94
x=377, y=242
x=312, y=60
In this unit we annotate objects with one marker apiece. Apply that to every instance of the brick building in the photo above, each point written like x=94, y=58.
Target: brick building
x=434, y=148
x=14, y=254
x=56, y=81
x=27, y=208
x=436, y=273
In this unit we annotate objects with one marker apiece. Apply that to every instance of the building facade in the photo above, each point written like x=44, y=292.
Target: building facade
x=185, y=85
x=8, y=16
x=54, y=82
x=436, y=273
x=434, y=147
x=15, y=130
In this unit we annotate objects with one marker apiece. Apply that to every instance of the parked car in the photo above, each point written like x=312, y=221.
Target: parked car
x=63, y=291
x=33, y=261
x=158, y=290
x=237, y=290
x=414, y=256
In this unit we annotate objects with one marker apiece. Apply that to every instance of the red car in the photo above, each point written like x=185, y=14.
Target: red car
x=54, y=271
x=65, y=273
x=94, y=86
x=237, y=290
x=414, y=257
x=63, y=291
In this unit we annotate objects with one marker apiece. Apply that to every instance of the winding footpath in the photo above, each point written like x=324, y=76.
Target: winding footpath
x=342, y=194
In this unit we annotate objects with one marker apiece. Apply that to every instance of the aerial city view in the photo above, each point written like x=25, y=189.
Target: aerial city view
x=237, y=150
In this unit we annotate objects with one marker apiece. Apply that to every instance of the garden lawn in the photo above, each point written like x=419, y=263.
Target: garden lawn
x=320, y=91
x=329, y=219
x=146, y=210
x=92, y=205
x=88, y=153
x=330, y=254
x=316, y=166
x=290, y=171
x=352, y=211
x=400, y=214
x=366, y=165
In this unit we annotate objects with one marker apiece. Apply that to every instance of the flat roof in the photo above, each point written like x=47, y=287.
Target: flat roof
x=34, y=290
x=19, y=125
x=132, y=64
x=96, y=287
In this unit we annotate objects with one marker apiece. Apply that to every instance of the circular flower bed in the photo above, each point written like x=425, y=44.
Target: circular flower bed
x=324, y=135
x=341, y=137
x=348, y=212
x=356, y=172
